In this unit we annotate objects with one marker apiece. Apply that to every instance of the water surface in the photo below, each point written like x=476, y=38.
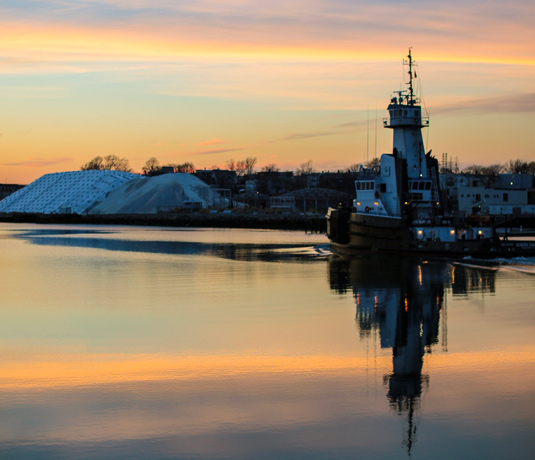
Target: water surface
x=236, y=344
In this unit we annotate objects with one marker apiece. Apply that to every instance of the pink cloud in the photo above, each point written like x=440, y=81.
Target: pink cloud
x=212, y=142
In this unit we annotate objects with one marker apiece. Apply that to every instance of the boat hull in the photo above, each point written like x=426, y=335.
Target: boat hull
x=354, y=234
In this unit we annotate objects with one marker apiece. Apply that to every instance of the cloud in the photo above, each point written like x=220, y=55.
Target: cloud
x=165, y=30
x=516, y=103
x=214, y=151
x=38, y=162
x=355, y=124
x=212, y=142
x=300, y=136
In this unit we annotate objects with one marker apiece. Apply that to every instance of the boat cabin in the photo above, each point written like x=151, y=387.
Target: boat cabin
x=420, y=190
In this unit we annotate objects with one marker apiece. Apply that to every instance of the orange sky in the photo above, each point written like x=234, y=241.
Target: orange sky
x=207, y=81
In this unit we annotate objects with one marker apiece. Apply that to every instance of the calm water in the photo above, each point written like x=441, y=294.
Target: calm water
x=131, y=343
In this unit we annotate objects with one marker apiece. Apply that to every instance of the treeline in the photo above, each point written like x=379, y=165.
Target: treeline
x=112, y=162
x=512, y=166
x=246, y=167
x=152, y=166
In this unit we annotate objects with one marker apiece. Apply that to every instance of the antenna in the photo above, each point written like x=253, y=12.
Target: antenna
x=411, y=92
x=375, y=129
x=367, y=132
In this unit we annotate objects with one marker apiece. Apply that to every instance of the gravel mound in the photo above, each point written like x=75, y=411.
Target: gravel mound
x=156, y=194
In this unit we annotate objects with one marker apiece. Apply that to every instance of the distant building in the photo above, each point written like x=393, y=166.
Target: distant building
x=274, y=182
x=218, y=178
x=8, y=189
x=313, y=199
x=502, y=194
x=168, y=170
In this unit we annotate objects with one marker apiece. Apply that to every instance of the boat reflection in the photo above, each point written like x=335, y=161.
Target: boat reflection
x=403, y=301
x=105, y=240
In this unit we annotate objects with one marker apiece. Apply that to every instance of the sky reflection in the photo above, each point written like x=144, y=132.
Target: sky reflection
x=147, y=354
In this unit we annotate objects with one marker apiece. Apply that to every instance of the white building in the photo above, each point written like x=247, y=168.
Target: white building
x=484, y=200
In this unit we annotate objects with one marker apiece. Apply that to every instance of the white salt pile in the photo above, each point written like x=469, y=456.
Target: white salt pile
x=65, y=192
x=158, y=193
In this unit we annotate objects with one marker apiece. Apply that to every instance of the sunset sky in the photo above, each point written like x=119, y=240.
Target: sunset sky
x=288, y=81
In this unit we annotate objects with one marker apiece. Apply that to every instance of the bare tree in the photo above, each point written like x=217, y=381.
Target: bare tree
x=520, y=167
x=271, y=167
x=240, y=168
x=185, y=168
x=231, y=165
x=95, y=163
x=112, y=162
x=374, y=164
x=354, y=168
x=250, y=163
x=152, y=167
x=304, y=169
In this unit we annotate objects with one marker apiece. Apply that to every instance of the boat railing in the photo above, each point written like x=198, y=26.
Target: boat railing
x=420, y=122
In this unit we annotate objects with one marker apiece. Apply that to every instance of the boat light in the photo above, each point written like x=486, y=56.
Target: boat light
x=358, y=204
x=452, y=232
x=376, y=203
x=480, y=232
x=420, y=232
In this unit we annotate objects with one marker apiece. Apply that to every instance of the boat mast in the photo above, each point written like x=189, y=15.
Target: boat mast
x=411, y=92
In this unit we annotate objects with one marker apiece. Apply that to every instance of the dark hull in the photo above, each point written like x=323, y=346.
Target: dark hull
x=355, y=234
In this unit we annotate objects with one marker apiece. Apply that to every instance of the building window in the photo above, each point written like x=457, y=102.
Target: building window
x=505, y=197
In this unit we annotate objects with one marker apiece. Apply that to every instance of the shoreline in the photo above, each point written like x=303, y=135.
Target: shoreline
x=309, y=222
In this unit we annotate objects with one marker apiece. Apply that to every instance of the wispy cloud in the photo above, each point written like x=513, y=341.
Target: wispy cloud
x=212, y=142
x=301, y=136
x=38, y=162
x=163, y=30
x=356, y=124
x=215, y=151
x=516, y=103
x=339, y=129
x=249, y=70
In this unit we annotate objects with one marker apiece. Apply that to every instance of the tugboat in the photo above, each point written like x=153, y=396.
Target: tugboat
x=401, y=209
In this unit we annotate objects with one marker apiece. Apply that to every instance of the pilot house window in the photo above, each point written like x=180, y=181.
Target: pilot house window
x=420, y=185
x=365, y=185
